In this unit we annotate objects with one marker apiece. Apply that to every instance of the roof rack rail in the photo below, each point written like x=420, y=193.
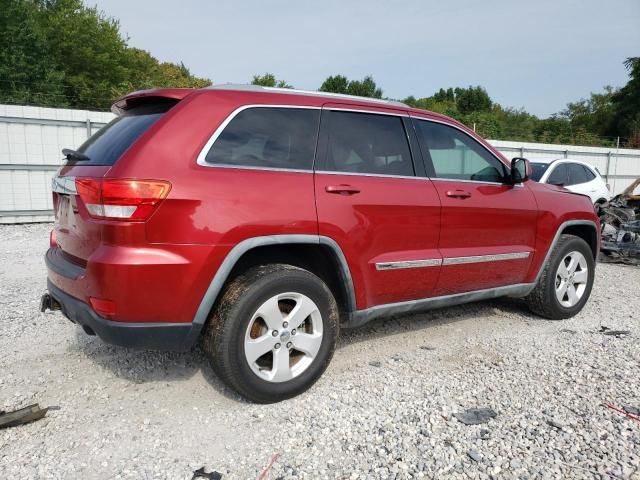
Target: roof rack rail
x=293, y=91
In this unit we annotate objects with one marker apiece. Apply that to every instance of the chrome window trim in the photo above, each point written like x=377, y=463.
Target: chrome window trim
x=431, y=262
x=371, y=112
x=484, y=258
x=267, y=169
x=64, y=185
x=358, y=174
x=201, y=159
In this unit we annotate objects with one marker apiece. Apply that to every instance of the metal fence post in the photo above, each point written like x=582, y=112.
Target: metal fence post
x=606, y=174
x=88, y=128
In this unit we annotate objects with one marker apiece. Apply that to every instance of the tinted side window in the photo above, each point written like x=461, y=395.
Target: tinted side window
x=455, y=155
x=559, y=176
x=589, y=173
x=367, y=143
x=577, y=175
x=268, y=137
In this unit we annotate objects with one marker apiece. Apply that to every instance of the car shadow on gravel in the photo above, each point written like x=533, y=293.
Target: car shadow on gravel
x=147, y=366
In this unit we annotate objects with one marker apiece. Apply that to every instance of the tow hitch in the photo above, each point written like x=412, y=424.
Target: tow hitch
x=47, y=302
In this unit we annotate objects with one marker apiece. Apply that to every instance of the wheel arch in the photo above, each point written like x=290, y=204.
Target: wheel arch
x=585, y=229
x=317, y=253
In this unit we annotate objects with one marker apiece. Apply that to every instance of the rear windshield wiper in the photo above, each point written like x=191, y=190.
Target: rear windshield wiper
x=74, y=155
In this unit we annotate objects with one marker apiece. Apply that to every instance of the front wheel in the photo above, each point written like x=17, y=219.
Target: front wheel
x=566, y=281
x=273, y=332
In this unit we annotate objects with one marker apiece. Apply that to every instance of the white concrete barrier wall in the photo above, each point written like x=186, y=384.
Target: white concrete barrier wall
x=31, y=140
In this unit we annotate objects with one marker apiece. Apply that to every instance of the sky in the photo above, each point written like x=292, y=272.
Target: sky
x=532, y=54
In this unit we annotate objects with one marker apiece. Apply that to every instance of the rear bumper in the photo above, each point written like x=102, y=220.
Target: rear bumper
x=156, y=336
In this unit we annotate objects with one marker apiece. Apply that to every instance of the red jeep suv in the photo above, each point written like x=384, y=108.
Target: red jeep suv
x=258, y=221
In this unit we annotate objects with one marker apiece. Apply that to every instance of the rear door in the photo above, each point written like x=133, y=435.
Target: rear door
x=378, y=206
x=488, y=228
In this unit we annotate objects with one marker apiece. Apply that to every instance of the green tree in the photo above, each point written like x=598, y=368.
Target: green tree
x=62, y=53
x=595, y=114
x=27, y=74
x=269, y=80
x=362, y=88
x=335, y=84
x=626, y=105
x=472, y=99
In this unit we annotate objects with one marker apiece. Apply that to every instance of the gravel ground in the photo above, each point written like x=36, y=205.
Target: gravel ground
x=384, y=408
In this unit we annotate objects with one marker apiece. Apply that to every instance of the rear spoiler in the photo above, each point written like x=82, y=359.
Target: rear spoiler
x=141, y=97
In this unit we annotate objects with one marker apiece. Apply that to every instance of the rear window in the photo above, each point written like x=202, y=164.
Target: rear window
x=268, y=137
x=111, y=141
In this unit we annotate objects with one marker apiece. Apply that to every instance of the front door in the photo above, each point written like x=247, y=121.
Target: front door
x=488, y=227
x=370, y=200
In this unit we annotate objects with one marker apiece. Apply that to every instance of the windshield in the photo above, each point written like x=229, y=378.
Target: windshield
x=538, y=170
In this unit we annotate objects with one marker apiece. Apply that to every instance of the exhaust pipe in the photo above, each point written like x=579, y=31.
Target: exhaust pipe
x=47, y=302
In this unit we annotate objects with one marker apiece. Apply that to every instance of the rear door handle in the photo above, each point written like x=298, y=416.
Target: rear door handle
x=458, y=194
x=341, y=189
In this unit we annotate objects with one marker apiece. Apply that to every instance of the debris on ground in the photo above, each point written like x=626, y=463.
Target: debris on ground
x=265, y=473
x=375, y=363
x=201, y=473
x=474, y=455
x=475, y=416
x=624, y=411
x=484, y=434
x=555, y=424
x=568, y=330
x=620, y=226
x=614, y=333
x=632, y=410
x=22, y=416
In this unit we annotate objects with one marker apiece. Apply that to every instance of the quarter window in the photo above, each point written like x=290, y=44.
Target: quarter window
x=368, y=143
x=455, y=155
x=269, y=137
x=589, y=173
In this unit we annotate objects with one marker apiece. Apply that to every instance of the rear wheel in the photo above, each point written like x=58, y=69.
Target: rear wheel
x=273, y=332
x=566, y=281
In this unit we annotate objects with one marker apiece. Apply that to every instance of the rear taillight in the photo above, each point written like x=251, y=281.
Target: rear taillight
x=131, y=200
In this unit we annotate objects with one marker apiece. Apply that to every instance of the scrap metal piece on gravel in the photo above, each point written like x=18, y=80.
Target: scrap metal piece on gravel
x=631, y=410
x=474, y=455
x=475, y=416
x=200, y=473
x=555, y=424
x=22, y=416
x=616, y=333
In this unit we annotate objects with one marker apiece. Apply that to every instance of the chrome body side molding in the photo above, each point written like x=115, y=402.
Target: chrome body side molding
x=431, y=262
x=485, y=258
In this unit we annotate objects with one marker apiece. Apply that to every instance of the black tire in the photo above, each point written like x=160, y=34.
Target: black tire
x=224, y=334
x=542, y=300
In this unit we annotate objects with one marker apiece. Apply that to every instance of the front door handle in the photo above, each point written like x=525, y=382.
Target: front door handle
x=458, y=194
x=341, y=189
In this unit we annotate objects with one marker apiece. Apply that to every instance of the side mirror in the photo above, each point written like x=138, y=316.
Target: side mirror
x=520, y=170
